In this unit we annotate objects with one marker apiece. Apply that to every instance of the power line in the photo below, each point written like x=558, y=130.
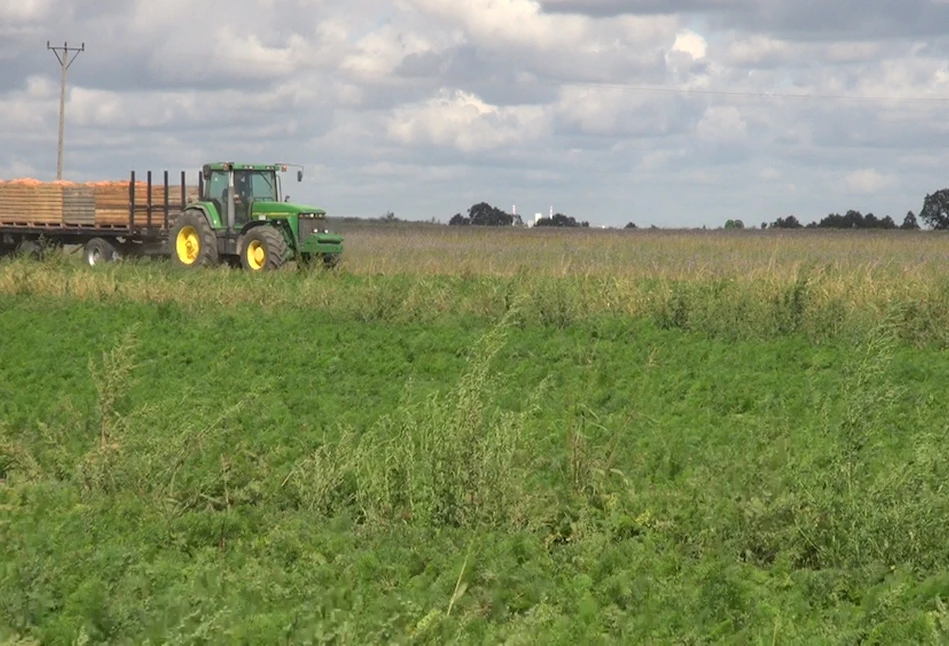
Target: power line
x=64, y=62
x=749, y=94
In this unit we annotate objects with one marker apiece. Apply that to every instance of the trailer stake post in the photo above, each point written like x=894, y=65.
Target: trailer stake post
x=148, y=207
x=132, y=202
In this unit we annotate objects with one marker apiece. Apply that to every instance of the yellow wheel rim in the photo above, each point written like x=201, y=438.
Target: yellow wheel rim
x=256, y=255
x=188, y=245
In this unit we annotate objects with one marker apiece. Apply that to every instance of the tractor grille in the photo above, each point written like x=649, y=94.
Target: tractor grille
x=308, y=226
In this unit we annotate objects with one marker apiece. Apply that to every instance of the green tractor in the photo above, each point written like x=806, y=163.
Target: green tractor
x=240, y=218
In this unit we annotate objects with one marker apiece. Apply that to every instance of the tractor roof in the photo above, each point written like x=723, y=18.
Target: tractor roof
x=240, y=166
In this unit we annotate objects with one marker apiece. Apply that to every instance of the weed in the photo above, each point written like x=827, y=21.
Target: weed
x=111, y=377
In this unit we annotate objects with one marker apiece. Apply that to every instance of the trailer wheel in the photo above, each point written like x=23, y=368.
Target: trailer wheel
x=263, y=249
x=98, y=251
x=28, y=249
x=192, y=241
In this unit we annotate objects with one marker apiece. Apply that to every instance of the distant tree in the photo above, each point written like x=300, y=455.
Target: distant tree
x=935, y=211
x=560, y=220
x=734, y=224
x=909, y=222
x=483, y=214
x=789, y=222
x=855, y=220
x=630, y=225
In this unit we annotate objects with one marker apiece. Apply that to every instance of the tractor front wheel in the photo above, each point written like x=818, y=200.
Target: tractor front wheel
x=192, y=241
x=331, y=260
x=263, y=248
x=324, y=260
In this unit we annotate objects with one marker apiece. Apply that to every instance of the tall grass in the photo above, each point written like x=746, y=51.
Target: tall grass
x=641, y=254
x=448, y=460
x=751, y=284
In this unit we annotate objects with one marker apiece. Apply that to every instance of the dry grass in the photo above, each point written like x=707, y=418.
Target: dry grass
x=671, y=254
x=741, y=284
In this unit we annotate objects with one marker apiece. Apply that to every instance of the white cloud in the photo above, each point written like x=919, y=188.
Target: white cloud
x=17, y=170
x=722, y=124
x=379, y=53
x=617, y=112
x=564, y=45
x=757, y=50
x=690, y=43
x=463, y=121
x=20, y=11
x=868, y=181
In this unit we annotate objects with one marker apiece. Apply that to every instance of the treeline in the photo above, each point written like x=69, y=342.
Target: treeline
x=560, y=220
x=850, y=220
x=935, y=214
x=486, y=215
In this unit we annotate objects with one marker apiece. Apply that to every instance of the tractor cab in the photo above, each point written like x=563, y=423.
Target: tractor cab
x=247, y=184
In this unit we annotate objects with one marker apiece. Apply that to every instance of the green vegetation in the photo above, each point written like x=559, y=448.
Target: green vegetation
x=735, y=437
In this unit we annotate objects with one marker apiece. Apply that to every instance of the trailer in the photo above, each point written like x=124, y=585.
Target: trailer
x=109, y=220
x=236, y=214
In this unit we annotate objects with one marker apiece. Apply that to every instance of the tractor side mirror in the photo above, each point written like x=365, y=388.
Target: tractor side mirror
x=299, y=175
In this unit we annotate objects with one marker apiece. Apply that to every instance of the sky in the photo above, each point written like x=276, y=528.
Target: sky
x=673, y=113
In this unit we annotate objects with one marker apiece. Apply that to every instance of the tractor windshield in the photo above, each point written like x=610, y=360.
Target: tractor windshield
x=259, y=185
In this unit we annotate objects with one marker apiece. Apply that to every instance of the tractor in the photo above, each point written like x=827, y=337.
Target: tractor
x=241, y=219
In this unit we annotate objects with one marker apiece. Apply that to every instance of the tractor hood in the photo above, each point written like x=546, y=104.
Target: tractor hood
x=286, y=209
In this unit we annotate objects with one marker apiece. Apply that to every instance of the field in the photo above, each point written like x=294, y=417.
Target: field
x=483, y=436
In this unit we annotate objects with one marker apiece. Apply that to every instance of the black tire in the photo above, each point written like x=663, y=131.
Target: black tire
x=312, y=262
x=29, y=249
x=98, y=251
x=331, y=260
x=263, y=248
x=192, y=241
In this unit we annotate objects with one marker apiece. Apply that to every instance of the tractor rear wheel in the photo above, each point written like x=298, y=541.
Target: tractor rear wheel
x=192, y=241
x=263, y=248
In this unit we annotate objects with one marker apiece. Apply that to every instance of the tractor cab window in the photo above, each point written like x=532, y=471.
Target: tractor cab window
x=217, y=191
x=250, y=187
x=257, y=185
x=217, y=185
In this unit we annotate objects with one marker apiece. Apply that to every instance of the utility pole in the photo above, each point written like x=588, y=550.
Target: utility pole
x=64, y=62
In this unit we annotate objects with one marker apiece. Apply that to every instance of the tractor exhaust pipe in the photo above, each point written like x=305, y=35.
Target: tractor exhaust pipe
x=230, y=201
